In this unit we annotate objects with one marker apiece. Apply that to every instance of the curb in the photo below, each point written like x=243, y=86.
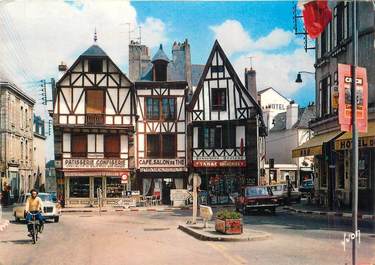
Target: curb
x=337, y=214
x=4, y=225
x=203, y=237
x=95, y=210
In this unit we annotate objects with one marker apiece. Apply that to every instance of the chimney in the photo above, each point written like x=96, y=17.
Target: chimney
x=139, y=58
x=291, y=115
x=251, y=83
x=188, y=67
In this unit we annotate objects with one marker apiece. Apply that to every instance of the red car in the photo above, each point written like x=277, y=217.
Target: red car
x=256, y=198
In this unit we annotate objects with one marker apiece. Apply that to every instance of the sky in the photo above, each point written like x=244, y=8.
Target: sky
x=36, y=35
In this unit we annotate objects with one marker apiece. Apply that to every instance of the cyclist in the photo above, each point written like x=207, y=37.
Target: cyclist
x=34, y=205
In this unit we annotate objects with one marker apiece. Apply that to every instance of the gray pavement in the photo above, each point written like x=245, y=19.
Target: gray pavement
x=153, y=238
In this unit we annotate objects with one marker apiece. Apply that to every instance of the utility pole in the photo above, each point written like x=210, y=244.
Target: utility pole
x=354, y=162
x=44, y=84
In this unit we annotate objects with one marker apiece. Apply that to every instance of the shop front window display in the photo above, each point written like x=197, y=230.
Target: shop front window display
x=79, y=187
x=223, y=188
x=114, y=187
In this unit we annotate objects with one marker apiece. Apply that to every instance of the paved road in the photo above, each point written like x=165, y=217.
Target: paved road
x=152, y=238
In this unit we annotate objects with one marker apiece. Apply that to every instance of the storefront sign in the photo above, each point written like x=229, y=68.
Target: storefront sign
x=163, y=169
x=94, y=163
x=345, y=106
x=365, y=142
x=149, y=162
x=219, y=163
x=309, y=151
x=221, y=158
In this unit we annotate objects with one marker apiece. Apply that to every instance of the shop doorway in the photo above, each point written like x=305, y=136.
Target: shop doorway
x=167, y=185
x=98, y=183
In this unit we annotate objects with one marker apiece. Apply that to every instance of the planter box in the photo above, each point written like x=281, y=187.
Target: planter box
x=229, y=226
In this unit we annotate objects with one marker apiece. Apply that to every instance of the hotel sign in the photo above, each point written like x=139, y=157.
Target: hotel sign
x=94, y=163
x=365, y=142
x=160, y=162
x=219, y=163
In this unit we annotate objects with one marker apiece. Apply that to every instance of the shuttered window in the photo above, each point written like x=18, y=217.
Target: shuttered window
x=112, y=145
x=79, y=145
x=94, y=101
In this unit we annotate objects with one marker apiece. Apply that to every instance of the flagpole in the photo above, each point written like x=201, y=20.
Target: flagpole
x=354, y=133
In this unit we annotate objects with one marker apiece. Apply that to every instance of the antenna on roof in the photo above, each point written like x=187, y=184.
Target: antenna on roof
x=95, y=36
x=251, y=62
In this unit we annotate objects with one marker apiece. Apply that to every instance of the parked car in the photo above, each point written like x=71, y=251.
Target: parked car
x=51, y=210
x=256, y=198
x=307, y=187
x=281, y=191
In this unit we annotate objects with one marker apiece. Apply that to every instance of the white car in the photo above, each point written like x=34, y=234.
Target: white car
x=51, y=210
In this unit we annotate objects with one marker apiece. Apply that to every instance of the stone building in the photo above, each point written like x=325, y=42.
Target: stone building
x=16, y=138
x=38, y=178
x=330, y=147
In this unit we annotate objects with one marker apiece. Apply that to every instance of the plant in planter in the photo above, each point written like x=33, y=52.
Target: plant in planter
x=229, y=222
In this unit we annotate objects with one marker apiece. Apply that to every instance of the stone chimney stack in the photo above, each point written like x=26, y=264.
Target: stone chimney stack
x=291, y=115
x=139, y=58
x=251, y=82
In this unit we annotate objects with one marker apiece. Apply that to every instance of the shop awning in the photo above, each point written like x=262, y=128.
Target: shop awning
x=314, y=146
x=366, y=140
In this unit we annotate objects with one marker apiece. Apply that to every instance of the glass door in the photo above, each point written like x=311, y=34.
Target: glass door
x=98, y=183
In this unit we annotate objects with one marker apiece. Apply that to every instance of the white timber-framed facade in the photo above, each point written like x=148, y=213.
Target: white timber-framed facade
x=94, y=116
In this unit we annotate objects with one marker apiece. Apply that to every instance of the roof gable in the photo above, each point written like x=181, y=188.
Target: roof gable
x=228, y=66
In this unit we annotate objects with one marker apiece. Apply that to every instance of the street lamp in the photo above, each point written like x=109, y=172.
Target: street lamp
x=299, y=78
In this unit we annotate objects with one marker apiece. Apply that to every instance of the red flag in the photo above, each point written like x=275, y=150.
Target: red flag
x=316, y=15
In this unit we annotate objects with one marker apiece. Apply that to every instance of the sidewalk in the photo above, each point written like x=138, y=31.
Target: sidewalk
x=158, y=208
x=305, y=208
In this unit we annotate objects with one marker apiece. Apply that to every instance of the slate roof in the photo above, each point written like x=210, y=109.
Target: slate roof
x=160, y=55
x=305, y=115
x=94, y=51
x=196, y=73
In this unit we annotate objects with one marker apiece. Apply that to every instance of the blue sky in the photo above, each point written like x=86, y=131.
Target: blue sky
x=192, y=20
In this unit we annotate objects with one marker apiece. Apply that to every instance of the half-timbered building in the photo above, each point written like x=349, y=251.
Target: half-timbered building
x=161, y=127
x=226, y=130
x=94, y=117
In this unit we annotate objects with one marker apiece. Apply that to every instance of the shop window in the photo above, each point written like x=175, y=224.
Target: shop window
x=364, y=169
x=340, y=180
x=79, y=187
x=218, y=96
x=153, y=145
x=152, y=108
x=114, y=187
x=169, y=108
x=169, y=145
x=95, y=66
x=112, y=145
x=78, y=145
x=95, y=101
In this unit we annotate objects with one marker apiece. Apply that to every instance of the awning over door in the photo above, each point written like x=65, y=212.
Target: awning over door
x=314, y=146
x=365, y=140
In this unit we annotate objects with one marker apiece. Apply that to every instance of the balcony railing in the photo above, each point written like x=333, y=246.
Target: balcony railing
x=235, y=153
x=95, y=119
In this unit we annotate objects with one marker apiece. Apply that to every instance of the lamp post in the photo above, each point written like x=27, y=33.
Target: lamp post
x=354, y=162
x=299, y=77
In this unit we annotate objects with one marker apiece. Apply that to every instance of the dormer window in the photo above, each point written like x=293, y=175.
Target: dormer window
x=95, y=66
x=218, y=99
x=160, y=71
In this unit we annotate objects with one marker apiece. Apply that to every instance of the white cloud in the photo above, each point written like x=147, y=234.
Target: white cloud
x=37, y=35
x=278, y=70
x=274, y=59
x=234, y=38
x=276, y=39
